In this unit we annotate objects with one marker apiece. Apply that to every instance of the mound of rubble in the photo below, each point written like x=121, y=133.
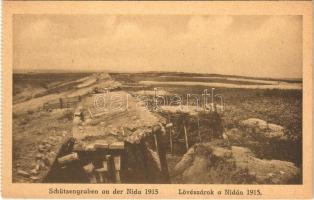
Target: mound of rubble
x=266, y=140
x=217, y=162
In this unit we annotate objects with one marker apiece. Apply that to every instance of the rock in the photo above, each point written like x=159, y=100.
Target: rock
x=114, y=131
x=131, y=127
x=48, y=146
x=34, y=171
x=254, y=122
x=139, y=132
x=195, y=174
x=41, y=148
x=185, y=162
x=264, y=129
x=234, y=134
x=23, y=173
x=34, y=178
x=209, y=163
x=278, y=134
x=39, y=156
x=275, y=128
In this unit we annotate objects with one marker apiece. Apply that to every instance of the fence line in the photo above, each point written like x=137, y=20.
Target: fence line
x=62, y=103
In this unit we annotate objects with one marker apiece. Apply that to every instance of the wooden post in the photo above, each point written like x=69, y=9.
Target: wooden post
x=156, y=143
x=169, y=126
x=117, y=164
x=198, y=129
x=100, y=175
x=186, y=138
x=162, y=157
x=170, y=136
x=105, y=165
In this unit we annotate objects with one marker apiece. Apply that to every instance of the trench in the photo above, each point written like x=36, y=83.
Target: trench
x=208, y=126
x=139, y=166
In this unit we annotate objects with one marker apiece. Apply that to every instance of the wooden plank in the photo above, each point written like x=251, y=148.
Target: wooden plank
x=101, y=144
x=186, y=139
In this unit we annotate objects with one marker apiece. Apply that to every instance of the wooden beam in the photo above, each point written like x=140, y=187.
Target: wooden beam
x=186, y=139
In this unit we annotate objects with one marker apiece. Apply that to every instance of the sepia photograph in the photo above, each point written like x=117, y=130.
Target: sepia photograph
x=206, y=104
x=157, y=99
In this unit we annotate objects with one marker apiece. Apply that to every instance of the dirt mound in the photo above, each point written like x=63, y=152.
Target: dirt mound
x=266, y=140
x=216, y=162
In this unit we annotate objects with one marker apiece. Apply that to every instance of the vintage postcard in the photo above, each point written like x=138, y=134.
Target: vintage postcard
x=152, y=100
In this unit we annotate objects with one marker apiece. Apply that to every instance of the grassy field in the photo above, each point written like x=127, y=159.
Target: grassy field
x=273, y=105
x=278, y=106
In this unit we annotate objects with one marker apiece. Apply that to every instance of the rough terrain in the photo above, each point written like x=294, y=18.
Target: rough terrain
x=255, y=138
x=217, y=162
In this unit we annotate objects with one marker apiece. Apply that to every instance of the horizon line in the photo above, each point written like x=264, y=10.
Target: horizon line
x=138, y=71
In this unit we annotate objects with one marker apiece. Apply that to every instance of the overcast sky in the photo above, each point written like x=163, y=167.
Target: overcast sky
x=266, y=46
